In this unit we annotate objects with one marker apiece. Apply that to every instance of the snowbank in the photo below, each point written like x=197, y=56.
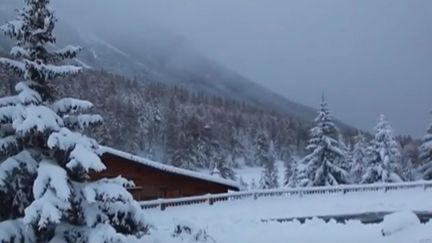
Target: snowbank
x=398, y=222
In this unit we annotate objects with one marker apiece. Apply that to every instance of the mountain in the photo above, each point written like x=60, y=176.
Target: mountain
x=166, y=58
x=163, y=100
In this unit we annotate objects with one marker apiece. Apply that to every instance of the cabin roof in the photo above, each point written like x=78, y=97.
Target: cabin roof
x=167, y=168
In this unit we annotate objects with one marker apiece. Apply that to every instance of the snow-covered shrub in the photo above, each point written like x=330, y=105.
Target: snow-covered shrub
x=187, y=233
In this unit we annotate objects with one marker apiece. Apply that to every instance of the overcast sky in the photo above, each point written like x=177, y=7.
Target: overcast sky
x=368, y=56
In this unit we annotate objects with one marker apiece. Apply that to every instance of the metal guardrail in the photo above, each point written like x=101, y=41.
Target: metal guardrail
x=211, y=199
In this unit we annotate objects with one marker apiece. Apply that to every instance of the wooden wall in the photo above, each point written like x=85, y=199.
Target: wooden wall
x=153, y=183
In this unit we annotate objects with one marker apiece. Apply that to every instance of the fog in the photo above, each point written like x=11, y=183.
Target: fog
x=369, y=57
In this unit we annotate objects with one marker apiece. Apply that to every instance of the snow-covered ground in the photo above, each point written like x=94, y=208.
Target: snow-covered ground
x=249, y=174
x=241, y=221
x=222, y=230
x=311, y=205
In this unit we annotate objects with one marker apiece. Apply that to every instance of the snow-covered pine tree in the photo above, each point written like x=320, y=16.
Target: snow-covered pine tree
x=384, y=156
x=326, y=152
x=269, y=176
x=290, y=166
x=253, y=185
x=243, y=185
x=345, y=164
x=221, y=161
x=298, y=176
x=426, y=155
x=289, y=170
x=215, y=172
x=44, y=177
x=183, y=154
x=224, y=166
x=262, y=147
x=358, y=157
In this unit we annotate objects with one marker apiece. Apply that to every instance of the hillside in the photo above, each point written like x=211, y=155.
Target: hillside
x=166, y=58
x=164, y=122
x=160, y=99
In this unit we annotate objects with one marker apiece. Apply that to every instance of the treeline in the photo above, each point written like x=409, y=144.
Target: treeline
x=178, y=126
x=197, y=131
x=330, y=161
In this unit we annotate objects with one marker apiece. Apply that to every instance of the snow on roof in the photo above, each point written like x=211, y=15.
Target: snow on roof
x=168, y=168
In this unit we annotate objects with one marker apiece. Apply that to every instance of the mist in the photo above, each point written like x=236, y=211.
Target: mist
x=369, y=57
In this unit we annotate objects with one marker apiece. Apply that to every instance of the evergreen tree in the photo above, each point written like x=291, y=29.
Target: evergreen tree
x=384, y=156
x=426, y=155
x=227, y=168
x=183, y=154
x=243, y=185
x=262, y=148
x=299, y=177
x=269, y=176
x=223, y=164
x=326, y=152
x=289, y=170
x=359, y=157
x=253, y=185
x=44, y=177
x=215, y=172
x=290, y=166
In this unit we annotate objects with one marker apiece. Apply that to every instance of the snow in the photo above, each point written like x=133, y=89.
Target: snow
x=168, y=168
x=68, y=105
x=68, y=50
x=13, y=25
x=105, y=233
x=398, y=222
x=83, y=64
x=52, y=71
x=39, y=118
x=250, y=174
x=7, y=113
x=15, y=231
x=23, y=158
x=7, y=101
x=81, y=157
x=110, y=46
x=108, y=190
x=18, y=51
x=223, y=230
x=29, y=96
x=281, y=207
x=86, y=120
x=242, y=221
x=7, y=142
x=17, y=66
x=66, y=140
x=51, y=174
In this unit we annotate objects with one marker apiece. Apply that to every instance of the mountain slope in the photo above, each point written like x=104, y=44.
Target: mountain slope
x=165, y=58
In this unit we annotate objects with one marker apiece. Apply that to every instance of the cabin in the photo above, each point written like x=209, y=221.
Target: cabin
x=156, y=180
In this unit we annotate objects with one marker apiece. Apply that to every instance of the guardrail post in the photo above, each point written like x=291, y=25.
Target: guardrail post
x=162, y=206
x=209, y=199
x=255, y=196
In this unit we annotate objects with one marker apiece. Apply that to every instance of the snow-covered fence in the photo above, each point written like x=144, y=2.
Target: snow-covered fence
x=256, y=194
